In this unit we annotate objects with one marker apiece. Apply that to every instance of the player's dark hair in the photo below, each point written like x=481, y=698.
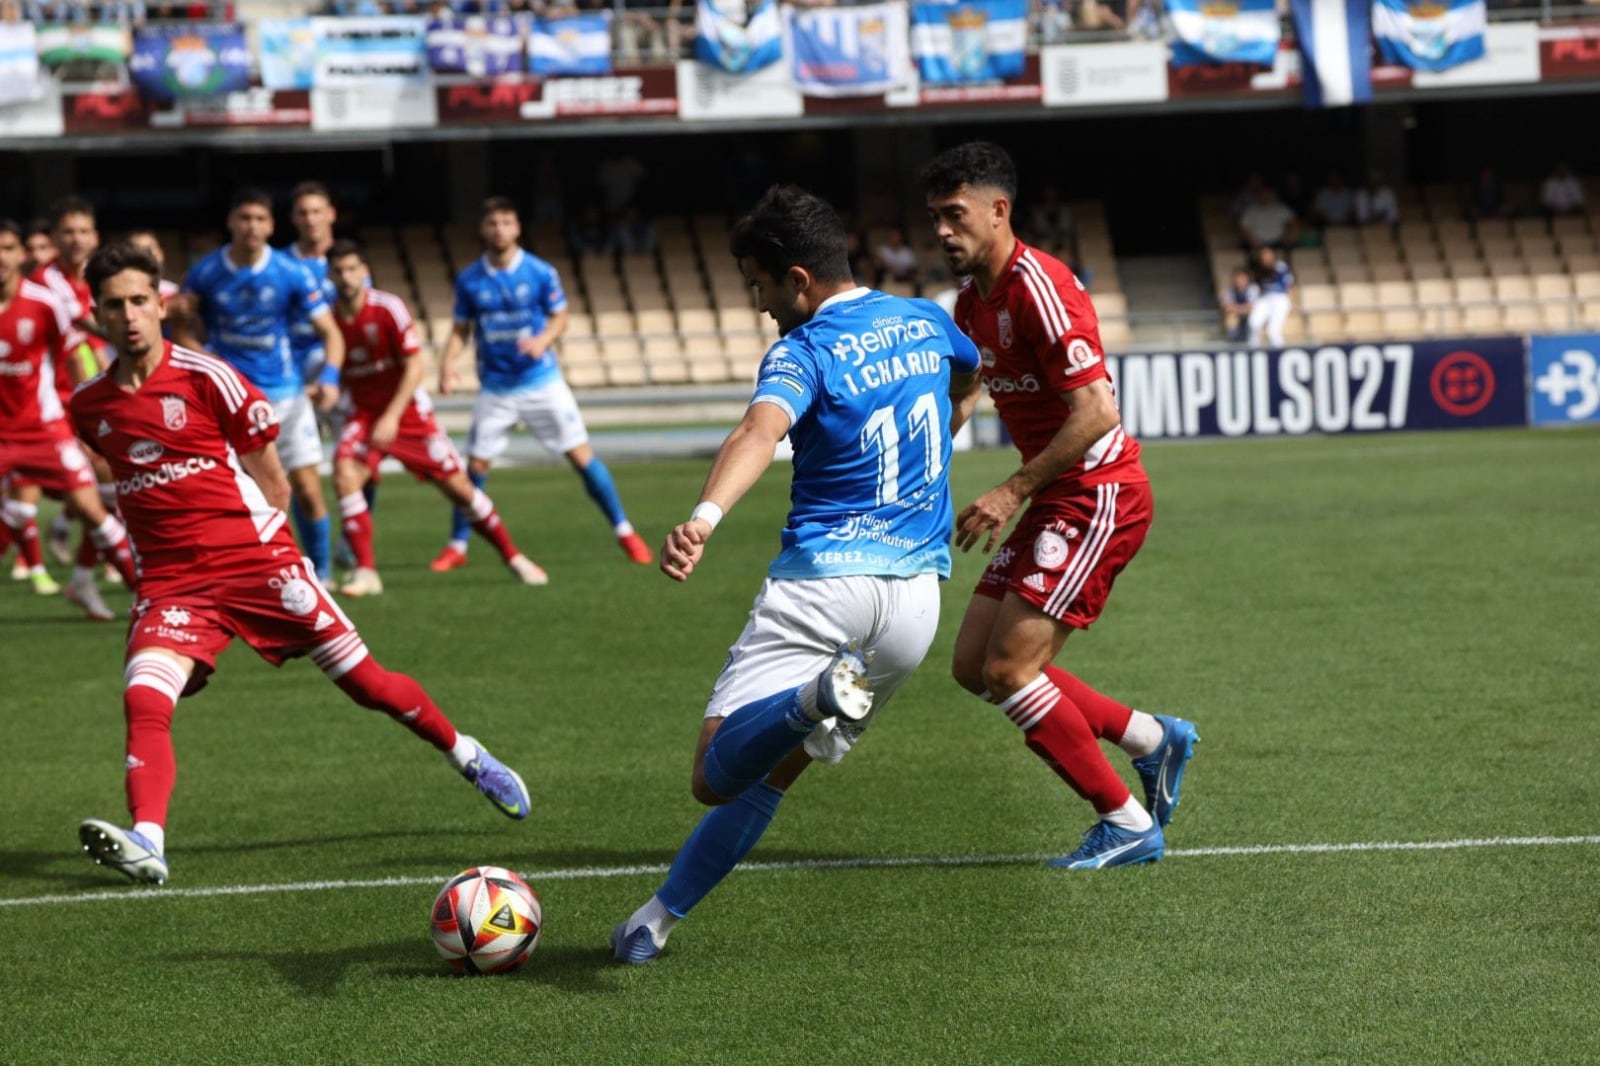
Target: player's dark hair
x=112, y=259
x=249, y=196
x=38, y=225
x=343, y=247
x=979, y=164
x=494, y=205
x=310, y=188
x=67, y=206
x=10, y=226
x=789, y=227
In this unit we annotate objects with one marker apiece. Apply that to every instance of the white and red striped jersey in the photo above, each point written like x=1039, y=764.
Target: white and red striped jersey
x=377, y=343
x=1039, y=337
x=173, y=446
x=35, y=330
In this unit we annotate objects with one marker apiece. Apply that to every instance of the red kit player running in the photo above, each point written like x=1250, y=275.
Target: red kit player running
x=1089, y=508
x=200, y=484
x=36, y=441
x=391, y=414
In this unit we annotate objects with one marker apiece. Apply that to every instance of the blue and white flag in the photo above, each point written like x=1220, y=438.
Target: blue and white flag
x=737, y=38
x=566, y=47
x=969, y=40
x=476, y=45
x=358, y=50
x=1335, y=38
x=288, y=52
x=848, y=51
x=1430, y=35
x=1224, y=31
x=19, y=63
x=189, y=60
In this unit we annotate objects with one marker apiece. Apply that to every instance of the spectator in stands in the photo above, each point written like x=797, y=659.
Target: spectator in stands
x=632, y=233
x=1143, y=19
x=1267, y=222
x=1376, y=203
x=1292, y=191
x=1236, y=302
x=121, y=13
x=589, y=235
x=1486, y=198
x=1052, y=19
x=1335, y=203
x=1274, y=299
x=1247, y=195
x=1562, y=192
x=39, y=244
x=1096, y=15
x=895, y=259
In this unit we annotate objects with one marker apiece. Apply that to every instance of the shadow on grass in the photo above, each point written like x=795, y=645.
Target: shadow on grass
x=318, y=974
x=53, y=866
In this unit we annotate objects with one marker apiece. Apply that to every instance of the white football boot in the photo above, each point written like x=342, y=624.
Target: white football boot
x=124, y=850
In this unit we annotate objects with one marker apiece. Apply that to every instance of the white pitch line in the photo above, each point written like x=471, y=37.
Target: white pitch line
x=590, y=873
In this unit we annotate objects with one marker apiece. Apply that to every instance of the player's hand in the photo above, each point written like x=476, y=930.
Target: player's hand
x=684, y=546
x=447, y=380
x=384, y=431
x=325, y=397
x=532, y=347
x=985, y=517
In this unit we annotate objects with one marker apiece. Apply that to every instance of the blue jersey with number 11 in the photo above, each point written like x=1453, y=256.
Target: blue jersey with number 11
x=866, y=384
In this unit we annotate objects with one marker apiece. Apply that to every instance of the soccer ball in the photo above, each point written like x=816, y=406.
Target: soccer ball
x=486, y=920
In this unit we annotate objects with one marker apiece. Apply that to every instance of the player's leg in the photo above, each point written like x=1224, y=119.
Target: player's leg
x=19, y=515
x=1276, y=319
x=300, y=450
x=472, y=501
x=553, y=418
x=1260, y=314
x=350, y=474
x=154, y=680
x=108, y=539
x=493, y=418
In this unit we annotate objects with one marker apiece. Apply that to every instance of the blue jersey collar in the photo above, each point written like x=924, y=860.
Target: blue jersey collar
x=843, y=297
x=515, y=265
x=255, y=268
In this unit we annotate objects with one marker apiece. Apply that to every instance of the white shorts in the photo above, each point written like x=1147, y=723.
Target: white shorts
x=549, y=411
x=299, y=443
x=796, y=626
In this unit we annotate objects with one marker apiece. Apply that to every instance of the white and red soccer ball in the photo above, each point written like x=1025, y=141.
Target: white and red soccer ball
x=486, y=920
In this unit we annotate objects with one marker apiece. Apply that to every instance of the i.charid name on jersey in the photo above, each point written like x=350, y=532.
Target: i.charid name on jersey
x=874, y=360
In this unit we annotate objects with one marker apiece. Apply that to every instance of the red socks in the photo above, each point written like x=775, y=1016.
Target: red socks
x=486, y=520
x=357, y=522
x=1106, y=717
x=154, y=685
x=401, y=698
x=1056, y=730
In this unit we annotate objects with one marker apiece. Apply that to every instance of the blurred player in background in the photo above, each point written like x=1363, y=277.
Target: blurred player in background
x=198, y=477
x=247, y=295
x=36, y=441
x=313, y=215
x=40, y=247
x=1089, y=508
x=511, y=305
x=390, y=413
x=851, y=603
x=147, y=241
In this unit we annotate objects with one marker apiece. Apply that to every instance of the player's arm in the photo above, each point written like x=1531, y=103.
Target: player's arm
x=183, y=321
x=387, y=425
x=1091, y=414
x=739, y=464
x=460, y=334
x=555, y=328
x=965, y=391
x=327, y=388
x=264, y=466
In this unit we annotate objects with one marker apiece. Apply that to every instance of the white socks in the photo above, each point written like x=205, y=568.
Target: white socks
x=655, y=917
x=465, y=750
x=1142, y=736
x=1130, y=816
x=152, y=832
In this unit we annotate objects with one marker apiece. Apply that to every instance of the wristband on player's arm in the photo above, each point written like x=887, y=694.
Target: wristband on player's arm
x=328, y=376
x=707, y=512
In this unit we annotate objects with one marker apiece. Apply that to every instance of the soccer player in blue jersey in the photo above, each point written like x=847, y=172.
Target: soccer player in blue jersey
x=248, y=295
x=861, y=384
x=511, y=305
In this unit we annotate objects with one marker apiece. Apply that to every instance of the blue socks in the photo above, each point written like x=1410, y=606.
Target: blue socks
x=724, y=836
x=603, y=491
x=314, y=539
x=753, y=740
x=460, y=520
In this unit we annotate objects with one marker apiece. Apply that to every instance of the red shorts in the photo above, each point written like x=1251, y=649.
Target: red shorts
x=1067, y=550
x=53, y=459
x=420, y=445
x=279, y=610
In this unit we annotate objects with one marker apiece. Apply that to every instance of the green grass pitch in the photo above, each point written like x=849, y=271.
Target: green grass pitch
x=1382, y=639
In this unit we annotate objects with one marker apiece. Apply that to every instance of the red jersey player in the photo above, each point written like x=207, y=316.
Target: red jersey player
x=391, y=414
x=36, y=441
x=1089, y=508
x=200, y=484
